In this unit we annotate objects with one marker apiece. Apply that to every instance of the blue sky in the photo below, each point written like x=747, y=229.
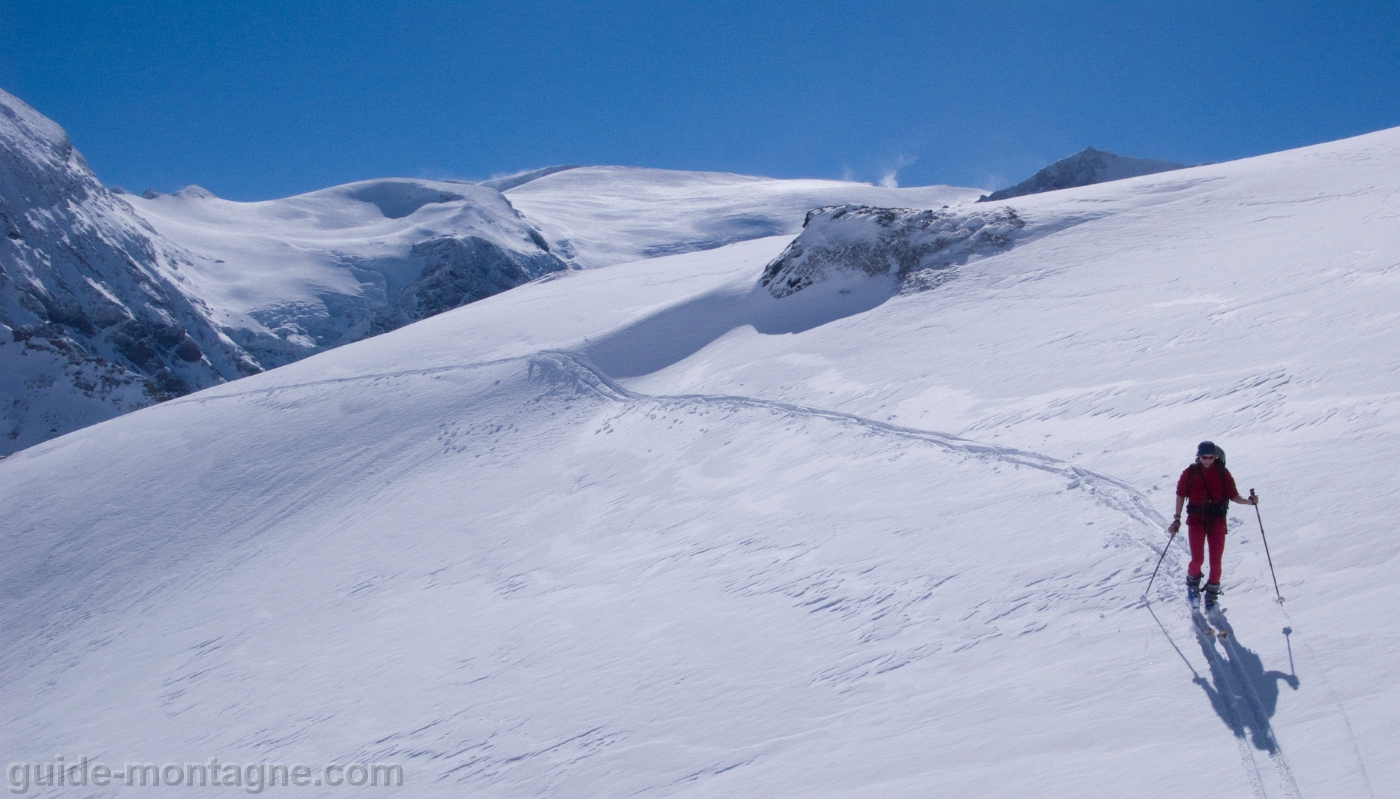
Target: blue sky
x=254, y=100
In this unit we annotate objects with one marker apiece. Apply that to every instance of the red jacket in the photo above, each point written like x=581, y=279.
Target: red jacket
x=1202, y=486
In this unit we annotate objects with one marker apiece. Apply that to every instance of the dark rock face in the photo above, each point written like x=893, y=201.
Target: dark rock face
x=95, y=317
x=917, y=249
x=457, y=271
x=1084, y=168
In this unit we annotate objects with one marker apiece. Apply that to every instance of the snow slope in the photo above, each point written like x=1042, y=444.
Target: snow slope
x=597, y=216
x=652, y=530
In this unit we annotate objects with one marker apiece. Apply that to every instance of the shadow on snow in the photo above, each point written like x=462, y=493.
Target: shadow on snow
x=671, y=335
x=1239, y=690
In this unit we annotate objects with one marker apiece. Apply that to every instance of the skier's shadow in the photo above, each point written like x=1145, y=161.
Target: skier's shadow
x=1240, y=691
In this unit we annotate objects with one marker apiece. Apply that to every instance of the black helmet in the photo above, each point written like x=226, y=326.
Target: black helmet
x=1209, y=448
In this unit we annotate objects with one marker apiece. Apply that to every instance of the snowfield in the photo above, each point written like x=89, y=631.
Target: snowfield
x=604, y=215
x=652, y=530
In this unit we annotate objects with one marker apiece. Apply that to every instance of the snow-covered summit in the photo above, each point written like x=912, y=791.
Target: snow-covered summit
x=110, y=302
x=1084, y=168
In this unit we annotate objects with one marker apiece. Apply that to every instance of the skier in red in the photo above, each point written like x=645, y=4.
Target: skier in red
x=1211, y=489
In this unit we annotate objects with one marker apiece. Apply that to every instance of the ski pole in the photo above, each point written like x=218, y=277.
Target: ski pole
x=1159, y=563
x=1266, y=545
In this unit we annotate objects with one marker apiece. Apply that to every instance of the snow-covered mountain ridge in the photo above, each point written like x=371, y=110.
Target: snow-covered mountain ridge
x=650, y=530
x=114, y=301
x=295, y=276
x=111, y=302
x=599, y=216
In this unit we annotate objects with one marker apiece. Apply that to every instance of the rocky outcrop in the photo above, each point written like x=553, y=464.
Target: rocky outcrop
x=915, y=249
x=460, y=270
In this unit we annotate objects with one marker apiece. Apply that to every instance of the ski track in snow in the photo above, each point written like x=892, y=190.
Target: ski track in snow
x=561, y=365
x=1108, y=491
x=1244, y=707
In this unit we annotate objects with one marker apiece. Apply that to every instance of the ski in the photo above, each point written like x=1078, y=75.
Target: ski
x=1205, y=628
x=1202, y=617
x=1216, y=617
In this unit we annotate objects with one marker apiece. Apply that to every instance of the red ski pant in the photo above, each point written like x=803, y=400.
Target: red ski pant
x=1200, y=532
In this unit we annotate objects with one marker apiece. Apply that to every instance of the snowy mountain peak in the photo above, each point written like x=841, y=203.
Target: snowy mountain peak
x=295, y=276
x=35, y=138
x=193, y=192
x=1084, y=168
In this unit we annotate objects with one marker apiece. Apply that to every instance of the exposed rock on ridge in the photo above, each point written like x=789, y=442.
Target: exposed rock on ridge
x=460, y=270
x=916, y=249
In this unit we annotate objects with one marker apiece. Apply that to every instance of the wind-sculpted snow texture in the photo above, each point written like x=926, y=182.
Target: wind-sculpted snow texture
x=97, y=315
x=916, y=249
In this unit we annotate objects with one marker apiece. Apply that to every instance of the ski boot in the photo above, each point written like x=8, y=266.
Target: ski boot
x=1193, y=588
x=1212, y=595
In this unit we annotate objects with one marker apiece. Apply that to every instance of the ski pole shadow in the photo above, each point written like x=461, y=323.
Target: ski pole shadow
x=1241, y=691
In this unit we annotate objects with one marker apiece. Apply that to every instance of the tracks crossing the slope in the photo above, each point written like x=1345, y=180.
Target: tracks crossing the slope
x=561, y=366
x=1267, y=778
x=1242, y=704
